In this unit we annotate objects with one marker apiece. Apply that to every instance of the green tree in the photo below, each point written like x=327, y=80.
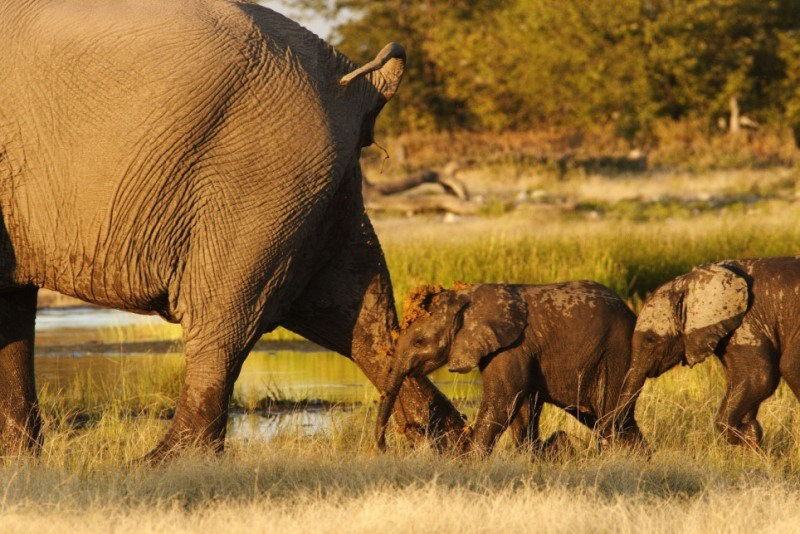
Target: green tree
x=703, y=53
x=573, y=62
x=521, y=64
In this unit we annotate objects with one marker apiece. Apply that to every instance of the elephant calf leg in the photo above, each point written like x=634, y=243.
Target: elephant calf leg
x=751, y=429
x=491, y=422
x=20, y=423
x=524, y=427
x=526, y=434
x=748, y=387
x=740, y=431
x=499, y=407
x=506, y=392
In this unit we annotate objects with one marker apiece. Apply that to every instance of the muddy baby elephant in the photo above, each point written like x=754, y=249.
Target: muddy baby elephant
x=565, y=344
x=745, y=312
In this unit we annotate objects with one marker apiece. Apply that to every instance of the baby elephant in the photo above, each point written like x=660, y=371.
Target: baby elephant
x=747, y=313
x=565, y=344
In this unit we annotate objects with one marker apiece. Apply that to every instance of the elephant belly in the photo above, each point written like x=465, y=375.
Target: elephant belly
x=566, y=383
x=79, y=247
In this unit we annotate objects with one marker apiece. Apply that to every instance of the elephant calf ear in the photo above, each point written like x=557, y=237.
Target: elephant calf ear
x=495, y=318
x=715, y=303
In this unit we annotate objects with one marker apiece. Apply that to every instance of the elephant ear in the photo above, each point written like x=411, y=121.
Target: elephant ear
x=714, y=305
x=384, y=74
x=494, y=318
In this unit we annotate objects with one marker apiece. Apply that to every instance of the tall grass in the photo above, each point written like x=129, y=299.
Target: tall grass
x=134, y=385
x=632, y=258
x=335, y=482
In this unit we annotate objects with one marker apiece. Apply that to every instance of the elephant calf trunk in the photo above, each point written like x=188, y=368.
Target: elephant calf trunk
x=388, y=400
x=621, y=422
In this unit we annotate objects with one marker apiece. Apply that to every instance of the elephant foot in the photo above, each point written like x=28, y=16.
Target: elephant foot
x=558, y=445
x=743, y=437
x=748, y=434
x=752, y=434
x=633, y=440
x=172, y=447
x=433, y=421
x=461, y=443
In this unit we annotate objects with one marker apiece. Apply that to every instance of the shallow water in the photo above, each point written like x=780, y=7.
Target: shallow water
x=278, y=370
x=62, y=318
x=265, y=428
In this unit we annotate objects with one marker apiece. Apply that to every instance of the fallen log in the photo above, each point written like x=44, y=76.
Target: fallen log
x=389, y=195
x=412, y=205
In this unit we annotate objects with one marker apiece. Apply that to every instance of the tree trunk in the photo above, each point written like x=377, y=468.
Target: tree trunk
x=734, y=124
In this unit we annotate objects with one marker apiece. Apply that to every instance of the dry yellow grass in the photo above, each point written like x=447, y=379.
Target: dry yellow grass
x=337, y=483
x=435, y=508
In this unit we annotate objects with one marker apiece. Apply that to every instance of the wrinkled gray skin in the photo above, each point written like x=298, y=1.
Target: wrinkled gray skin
x=198, y=159
x=565, y=344
x=746, y=313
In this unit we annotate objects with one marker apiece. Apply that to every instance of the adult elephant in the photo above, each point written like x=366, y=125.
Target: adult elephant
x=197, y=159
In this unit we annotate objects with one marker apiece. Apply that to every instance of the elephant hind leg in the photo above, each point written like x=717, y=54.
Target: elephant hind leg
x=216, y=346
x=20, y=422
x=790, y=369
x=752, y=378
x=750, y=429
x=524, y=426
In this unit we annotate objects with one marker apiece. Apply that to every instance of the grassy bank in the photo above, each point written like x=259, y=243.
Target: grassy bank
x=289, y=490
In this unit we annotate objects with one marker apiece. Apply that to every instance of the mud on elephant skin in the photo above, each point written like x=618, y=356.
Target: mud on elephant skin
x=197, y=159
x=565, y=344
x=743, y=311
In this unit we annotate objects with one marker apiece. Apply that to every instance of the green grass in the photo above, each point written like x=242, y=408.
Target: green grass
x=130, y=386
x=630, y=257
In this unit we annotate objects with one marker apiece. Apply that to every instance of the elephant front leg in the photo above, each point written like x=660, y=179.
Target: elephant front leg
x=506, y=398
x=20, y=422
x=500, y=405
x=495, y=414
x=348, y=307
